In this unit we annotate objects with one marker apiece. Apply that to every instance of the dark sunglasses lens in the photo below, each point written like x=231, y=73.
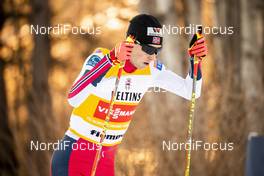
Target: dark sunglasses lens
x=149, y=50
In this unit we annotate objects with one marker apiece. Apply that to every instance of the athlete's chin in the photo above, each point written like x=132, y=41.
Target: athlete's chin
x=141, y=66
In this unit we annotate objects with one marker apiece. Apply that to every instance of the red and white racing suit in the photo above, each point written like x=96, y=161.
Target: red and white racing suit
x=90, y=96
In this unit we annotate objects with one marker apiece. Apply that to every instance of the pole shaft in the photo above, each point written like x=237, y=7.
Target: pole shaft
x=191, y=118
x=107, y=119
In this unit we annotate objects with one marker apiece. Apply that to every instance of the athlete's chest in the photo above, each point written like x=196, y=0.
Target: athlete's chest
x=131, y=88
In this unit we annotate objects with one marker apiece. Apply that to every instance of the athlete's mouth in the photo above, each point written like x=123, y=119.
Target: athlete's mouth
x=146, y=63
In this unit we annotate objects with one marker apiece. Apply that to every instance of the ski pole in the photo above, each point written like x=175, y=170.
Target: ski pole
x=107, y=119
x=196, y=61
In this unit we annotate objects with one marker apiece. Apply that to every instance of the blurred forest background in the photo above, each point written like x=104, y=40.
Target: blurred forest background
x=36, y=72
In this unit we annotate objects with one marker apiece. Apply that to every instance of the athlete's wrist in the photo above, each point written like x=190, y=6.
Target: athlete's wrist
x=112, y=57
x=199, y=71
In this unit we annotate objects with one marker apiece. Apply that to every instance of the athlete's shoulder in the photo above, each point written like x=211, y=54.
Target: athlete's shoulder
x=95, y=57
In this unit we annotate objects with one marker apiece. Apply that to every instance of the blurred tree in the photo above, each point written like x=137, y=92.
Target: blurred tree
x=239, y=76
x=252, y=64
x=8, y=159
x=230, y=107
x=41, y=120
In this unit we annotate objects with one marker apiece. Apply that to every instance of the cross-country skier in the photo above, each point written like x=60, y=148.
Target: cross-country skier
x=92, y=90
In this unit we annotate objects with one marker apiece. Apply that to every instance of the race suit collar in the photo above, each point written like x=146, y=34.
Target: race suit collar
x=129, y=67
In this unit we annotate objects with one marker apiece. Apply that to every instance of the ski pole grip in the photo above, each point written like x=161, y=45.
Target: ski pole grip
x=196, y=36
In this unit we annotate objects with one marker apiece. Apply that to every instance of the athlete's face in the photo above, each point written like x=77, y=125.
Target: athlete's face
x=140, y=58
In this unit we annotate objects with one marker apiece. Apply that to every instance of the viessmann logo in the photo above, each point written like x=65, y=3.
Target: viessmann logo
x=121, y=113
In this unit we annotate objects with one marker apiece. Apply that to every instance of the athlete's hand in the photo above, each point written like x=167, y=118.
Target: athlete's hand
x=199, y=48
x=123, y=50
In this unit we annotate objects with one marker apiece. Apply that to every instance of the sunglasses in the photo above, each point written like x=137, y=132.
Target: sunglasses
x=149, y=49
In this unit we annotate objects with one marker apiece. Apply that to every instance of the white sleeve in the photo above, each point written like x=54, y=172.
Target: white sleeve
x=172, y=82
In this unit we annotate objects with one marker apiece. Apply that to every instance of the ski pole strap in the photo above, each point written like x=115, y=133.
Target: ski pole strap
x=195, y=70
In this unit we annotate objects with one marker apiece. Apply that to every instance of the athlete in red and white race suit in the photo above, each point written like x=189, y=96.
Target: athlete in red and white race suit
x=91, y=93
